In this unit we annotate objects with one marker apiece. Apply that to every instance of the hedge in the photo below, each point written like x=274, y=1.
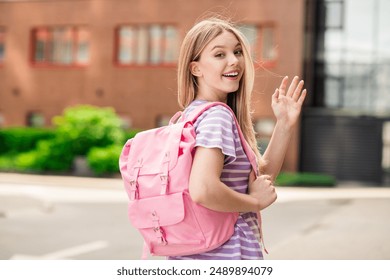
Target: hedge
x=305, y=179
x=87, y=126
x=77, y=131
x=49, y=155
x=20, y=139
x=104, y=160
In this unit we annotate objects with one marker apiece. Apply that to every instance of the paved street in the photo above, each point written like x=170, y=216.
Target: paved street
x=53, y=217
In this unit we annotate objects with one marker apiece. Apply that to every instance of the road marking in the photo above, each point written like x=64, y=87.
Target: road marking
x=65, y=253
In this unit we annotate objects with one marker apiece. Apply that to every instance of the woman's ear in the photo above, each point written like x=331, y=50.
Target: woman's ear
x=194, y=68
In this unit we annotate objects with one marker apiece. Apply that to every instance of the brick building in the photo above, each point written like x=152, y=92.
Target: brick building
x=123, y=53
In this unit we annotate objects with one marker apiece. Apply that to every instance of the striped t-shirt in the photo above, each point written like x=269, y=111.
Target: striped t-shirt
x=216, y=128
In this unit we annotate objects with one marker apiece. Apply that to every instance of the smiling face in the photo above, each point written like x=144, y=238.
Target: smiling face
x=220, y=67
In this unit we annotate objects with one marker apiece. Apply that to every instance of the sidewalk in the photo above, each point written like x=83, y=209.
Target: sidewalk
x=12, y=183
x=61, y=181
x=47, y=190
x=345, y=222
x=25, y=190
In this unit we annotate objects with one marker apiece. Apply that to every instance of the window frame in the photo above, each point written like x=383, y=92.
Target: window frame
x=259, y=59
x=147, y=26
x=3, y=31
x=35, y=118
x=75, y=40
x=270, y=63
x=338, y=4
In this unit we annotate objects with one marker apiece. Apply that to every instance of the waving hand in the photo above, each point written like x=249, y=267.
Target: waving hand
x=287, y=104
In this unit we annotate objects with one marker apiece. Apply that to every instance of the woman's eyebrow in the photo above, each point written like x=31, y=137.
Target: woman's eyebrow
x=217, y=47
x=222, y=47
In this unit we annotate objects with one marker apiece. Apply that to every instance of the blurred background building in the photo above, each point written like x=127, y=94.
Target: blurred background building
x=123, y=54
x=345, y=129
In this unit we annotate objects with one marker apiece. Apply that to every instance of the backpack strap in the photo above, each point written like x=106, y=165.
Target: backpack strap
x=260, y=222
x=248, y=151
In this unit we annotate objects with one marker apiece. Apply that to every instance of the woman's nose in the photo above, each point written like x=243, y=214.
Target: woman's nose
x=233, y=59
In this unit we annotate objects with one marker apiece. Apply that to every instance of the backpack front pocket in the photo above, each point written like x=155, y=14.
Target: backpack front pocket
x=167, y=220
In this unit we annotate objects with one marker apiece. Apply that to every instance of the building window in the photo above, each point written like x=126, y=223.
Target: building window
x=35, y=119
x=268, y=45
x=261, y=41
x=250, y=32
x=335, y=87
x=63, y=46
x=2, y=44
x=352, y=59
x=334, y=14
x=2, y=120
x=264, y=128
x=126, y=120
x=147, y=45
x=386, y=147
x=162, y=120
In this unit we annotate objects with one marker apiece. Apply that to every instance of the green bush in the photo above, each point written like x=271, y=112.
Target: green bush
x=27, y=161
x=22, y=150
x=22, y=162
x=7, y=163
x=50, y=155
x=20, y=139
x=131, y=133
x=79, y=129
x=55, y=155
x=86, y=126
x=104, y=160
x=305, y=179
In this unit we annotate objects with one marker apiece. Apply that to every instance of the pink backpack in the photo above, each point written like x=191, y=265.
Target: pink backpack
x=155, y=167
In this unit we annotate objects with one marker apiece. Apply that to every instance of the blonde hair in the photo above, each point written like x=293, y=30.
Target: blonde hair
x=193, y=44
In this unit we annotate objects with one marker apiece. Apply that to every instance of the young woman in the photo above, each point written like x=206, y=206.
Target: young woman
x=215, y=65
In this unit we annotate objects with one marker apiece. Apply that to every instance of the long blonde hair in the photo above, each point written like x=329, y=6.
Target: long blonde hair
x=193, y=44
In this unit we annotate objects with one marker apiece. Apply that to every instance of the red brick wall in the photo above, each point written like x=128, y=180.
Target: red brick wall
x=140, y=93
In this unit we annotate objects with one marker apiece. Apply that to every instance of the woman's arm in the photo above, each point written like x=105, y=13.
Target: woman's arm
x=207, y=189
x=286, y=105
x=276, y=150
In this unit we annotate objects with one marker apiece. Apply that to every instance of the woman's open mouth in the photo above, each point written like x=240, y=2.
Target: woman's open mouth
x=231, y=75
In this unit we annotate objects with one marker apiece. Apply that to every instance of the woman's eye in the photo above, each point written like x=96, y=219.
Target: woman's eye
x=220, y=55
x=238, y=52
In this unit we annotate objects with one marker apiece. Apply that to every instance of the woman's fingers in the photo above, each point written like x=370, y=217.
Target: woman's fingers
x=283, y=86
x=298, y=90
x=267, y=179
x=294, y=90
x=292, y=86
x=275, y=96
x=302, y=97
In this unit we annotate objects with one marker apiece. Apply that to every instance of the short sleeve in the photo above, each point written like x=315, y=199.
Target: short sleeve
x=215, y=129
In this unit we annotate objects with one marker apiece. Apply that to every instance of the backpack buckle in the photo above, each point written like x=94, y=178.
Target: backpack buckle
x=160, y=235
x=164, y=178
x=133, y=189
x=164, y=170
x=139, y=163
x=158, y=231
x=164, y=183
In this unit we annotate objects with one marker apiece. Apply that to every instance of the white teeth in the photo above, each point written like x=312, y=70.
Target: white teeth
x=232, y=74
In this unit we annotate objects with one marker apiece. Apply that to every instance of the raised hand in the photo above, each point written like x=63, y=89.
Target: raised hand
x=287, y=104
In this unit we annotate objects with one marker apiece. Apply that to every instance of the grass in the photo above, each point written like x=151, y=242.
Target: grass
x=305, y=179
